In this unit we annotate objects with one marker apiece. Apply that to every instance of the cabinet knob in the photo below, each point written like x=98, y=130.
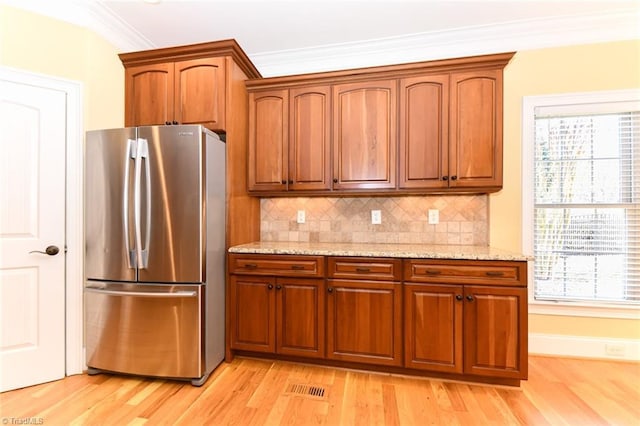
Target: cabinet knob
x=330, y=289
x=335, y=180
x=284, y=182
x=290, y=182
x=175, y=122
x=278, y=287
x=168, y=123
x=445, y=177
x=458, y=297
x=454, y=177
x=470, y=298
x=270, y=286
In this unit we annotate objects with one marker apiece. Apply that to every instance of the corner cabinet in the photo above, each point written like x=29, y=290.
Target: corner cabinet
x=427, y=127
x=180, y=92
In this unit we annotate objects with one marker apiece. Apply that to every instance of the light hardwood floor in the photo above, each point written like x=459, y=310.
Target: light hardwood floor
x=256, y=392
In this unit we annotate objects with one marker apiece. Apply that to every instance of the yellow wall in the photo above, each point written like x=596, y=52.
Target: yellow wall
x=47, y=46
x=585, y=68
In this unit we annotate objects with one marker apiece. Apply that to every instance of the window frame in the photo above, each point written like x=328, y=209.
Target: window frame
x=529, y=104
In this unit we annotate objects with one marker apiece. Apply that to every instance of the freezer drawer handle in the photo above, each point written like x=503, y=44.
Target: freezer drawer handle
x=141, y=293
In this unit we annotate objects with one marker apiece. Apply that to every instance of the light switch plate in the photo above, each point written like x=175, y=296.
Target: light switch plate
x=300, y=217
x=434, y=217
x=376, y=217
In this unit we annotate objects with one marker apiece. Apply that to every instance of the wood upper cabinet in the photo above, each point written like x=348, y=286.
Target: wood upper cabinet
x=364, y=135
x=475, y=133
x=149, y=94
x=496, y=339
x=182, y=92
x=289, y=139
x=451, y=131
x=310, y=138
x=268, y=140
x=424, y=132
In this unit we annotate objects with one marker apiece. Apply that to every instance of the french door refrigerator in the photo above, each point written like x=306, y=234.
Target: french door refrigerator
x=155, y=251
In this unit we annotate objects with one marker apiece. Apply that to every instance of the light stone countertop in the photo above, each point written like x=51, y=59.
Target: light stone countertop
x=408, y=251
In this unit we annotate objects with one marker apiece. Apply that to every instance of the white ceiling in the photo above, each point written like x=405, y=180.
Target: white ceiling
x=292, y=36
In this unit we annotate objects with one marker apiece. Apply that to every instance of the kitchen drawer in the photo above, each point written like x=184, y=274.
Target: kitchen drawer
x=365, y=268
x=466, y=272
x=280, y=265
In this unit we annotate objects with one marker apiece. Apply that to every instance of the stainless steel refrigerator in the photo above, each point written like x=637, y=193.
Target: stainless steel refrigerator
x=155, y=251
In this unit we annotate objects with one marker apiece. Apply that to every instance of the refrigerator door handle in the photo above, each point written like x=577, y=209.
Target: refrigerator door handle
x=142, y=293
x=142, y=152
x=129, y=155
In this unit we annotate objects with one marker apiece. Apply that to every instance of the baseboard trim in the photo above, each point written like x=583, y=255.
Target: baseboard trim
x=584, y=347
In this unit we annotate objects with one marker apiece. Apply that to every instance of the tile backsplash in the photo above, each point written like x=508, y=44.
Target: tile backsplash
x=463, y=220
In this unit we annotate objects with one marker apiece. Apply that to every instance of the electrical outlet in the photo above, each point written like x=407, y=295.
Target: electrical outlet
x=376, y=217
x=301, y=216
x=612, y=349
x=434, y=217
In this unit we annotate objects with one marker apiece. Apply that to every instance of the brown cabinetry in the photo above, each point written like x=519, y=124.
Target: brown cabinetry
x=289, y=139
x=364, y=310
x=200, y=84
x=451, y=131
x=273, y=309
x=180, y=92
x=429, y=127
x=478, y=328
x=364, y=135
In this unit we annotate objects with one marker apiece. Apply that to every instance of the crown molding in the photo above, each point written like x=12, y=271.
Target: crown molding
x=92, y=15
x=530, y=34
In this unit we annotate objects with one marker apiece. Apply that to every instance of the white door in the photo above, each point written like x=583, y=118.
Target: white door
x=32, y=218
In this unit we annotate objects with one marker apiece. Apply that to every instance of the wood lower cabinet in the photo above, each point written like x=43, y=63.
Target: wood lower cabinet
x=364, y=310
x=478, y=329
x=277, y=314
x=465, y=319
x=495, y=331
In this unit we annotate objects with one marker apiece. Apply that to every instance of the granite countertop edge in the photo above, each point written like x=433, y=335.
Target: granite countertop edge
x=407, y=251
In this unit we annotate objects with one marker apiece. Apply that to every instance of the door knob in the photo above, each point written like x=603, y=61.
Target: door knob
x=51, y=251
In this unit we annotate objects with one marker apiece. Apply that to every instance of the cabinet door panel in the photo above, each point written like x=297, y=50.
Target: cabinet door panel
x=365, y=135
x=495, y=321
x=433, y=327
x=301, y=317
x=149, y=94
x=309, y=139
x=364, y=320
x=253, y=313
x=476, y=129
x=268, y=140
x=424, y=127
x=200, y=92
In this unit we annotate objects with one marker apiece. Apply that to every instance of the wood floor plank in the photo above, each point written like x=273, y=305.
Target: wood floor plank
x=255, y=392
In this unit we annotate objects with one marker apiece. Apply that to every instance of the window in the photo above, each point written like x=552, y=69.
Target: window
x=585, y=215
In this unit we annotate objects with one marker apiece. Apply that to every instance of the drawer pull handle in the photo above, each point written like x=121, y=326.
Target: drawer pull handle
x=250, y=266
x=297, y=267
x=495, y=273
x=433, y=272
x=363, y=270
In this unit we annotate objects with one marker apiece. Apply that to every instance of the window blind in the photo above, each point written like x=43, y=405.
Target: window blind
x=586, y=203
